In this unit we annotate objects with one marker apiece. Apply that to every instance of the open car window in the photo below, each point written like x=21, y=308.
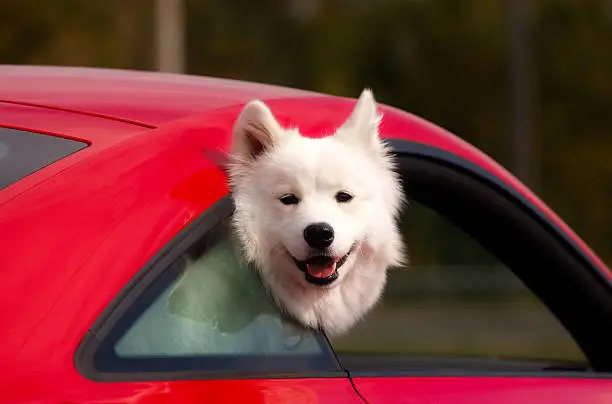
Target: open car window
x=22, y=153
x=493, y=285
x=455, y=307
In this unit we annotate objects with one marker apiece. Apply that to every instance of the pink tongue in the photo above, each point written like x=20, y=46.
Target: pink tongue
x=321, y=271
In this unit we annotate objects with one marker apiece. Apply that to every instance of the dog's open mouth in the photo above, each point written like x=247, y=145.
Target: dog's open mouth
x=321, y=270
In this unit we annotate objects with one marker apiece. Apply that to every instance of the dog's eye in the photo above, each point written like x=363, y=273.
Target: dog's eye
x=343, y=197
x=289, y=199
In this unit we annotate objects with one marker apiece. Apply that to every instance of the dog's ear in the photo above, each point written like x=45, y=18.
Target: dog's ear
x=255, y=131
x=362, y=126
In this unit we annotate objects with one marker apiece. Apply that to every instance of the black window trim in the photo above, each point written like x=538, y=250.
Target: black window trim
x=403, y=148
x=600, y=283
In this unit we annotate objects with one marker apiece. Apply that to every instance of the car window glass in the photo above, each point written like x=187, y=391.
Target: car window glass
x=215, y=306
x=208, y=304
x=22, y=153
x=454, y=299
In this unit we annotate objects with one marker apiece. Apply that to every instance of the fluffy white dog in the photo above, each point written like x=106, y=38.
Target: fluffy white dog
x=317, y=217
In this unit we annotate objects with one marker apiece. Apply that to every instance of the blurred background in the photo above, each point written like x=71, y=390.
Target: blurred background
x=528, y=82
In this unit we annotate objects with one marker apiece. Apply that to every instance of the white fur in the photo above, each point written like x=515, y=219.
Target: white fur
x=269, y=161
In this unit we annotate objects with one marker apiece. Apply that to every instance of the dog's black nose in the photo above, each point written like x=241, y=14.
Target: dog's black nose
x=319, y=235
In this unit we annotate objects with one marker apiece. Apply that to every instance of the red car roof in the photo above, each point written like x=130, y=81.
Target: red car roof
x=145, y=98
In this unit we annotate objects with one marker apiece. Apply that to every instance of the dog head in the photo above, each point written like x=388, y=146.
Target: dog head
x=312, y=209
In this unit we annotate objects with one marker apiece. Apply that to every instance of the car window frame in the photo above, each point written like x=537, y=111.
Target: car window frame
x=204, y=367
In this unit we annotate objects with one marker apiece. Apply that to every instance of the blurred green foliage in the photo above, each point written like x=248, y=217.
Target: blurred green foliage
x=445, y=60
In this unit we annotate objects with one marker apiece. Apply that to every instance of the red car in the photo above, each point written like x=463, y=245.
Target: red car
x=118, y=281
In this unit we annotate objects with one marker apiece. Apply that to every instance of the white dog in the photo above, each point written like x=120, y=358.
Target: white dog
x=317, y=217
